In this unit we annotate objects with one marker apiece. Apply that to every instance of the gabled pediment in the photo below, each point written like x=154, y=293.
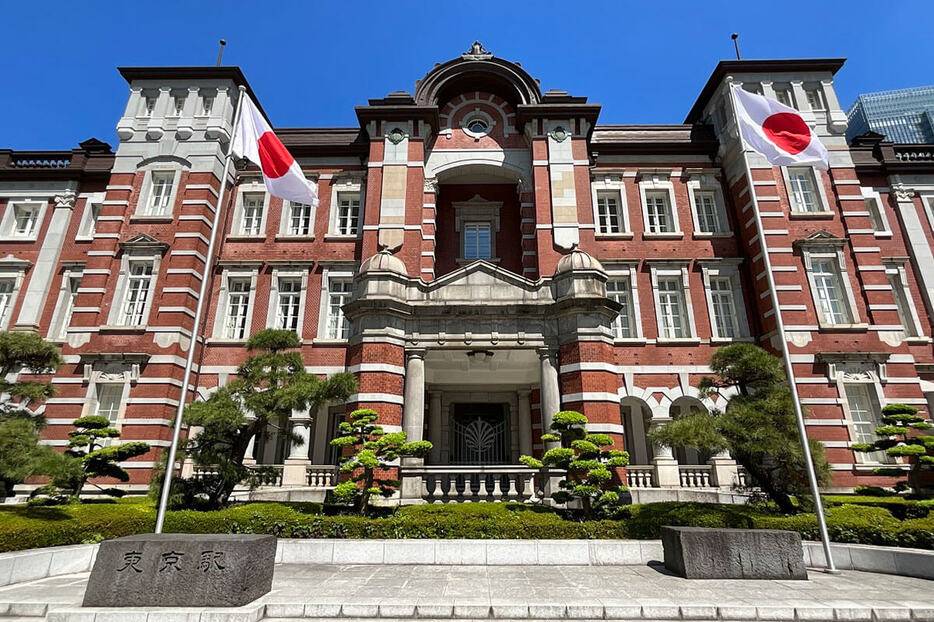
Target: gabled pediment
x=143, y=242
x=820, y=238
x=482, y=282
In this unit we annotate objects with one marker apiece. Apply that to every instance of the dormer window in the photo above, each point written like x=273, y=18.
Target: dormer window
x=477, y=222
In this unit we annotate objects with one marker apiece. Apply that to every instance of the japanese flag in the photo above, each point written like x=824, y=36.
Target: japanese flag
x=255, y=141
x=777, y=131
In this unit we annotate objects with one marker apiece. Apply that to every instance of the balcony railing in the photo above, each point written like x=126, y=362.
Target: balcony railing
x=458, y=484
x=640, y=476
x=322, y=476
x=263, y=475
x=695, y=475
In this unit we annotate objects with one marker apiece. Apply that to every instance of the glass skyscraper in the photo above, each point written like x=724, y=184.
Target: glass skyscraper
x=902, y=115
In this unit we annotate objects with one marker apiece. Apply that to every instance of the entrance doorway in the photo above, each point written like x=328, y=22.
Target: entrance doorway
x=480, y=434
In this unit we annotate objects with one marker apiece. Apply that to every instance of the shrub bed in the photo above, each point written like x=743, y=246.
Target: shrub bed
x=24, y=527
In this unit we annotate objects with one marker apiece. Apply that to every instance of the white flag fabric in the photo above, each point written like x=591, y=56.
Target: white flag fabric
x=255, y=141
x=778, y=132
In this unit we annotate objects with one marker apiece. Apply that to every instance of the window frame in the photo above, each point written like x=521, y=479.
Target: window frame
x=145, y=197
x=251, y=187
x=85, y=232
x=627, y=272
x=819, y=195
x=666, y=271
x=329, y=274
x=830, y=249
x=707, y=181
x=897, y=276
x=121, y=291
x=288, y=212
x=278, y=275
x=476, y=210
x=65, y=304
x=610, y=183
x=726, y=269
x=352, y=182
x=659, y=182
x=871, y=195
x=8, y=223
x=229, y=273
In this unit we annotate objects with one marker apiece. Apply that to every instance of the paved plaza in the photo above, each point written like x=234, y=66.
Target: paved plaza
x=516, y=592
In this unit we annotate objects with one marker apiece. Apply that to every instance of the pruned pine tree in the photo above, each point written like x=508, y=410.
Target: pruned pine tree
x=904, y=434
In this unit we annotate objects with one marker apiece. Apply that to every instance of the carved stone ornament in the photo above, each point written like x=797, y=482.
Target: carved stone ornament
x=854, y=372
x=431, y=185
x=396, y=136
x=559, y=134
x=65, y=199
x=902, y=192
x=476, y=52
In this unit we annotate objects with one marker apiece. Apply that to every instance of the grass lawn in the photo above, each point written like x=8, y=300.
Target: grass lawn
x=867, y=520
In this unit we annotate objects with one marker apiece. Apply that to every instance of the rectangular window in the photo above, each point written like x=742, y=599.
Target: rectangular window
x=671, y=308
x=708, y=217
x=109, y=397
x=477, y=240
x=865, y=417
x=723, y=303
x=338, y=296
x=178, y=104
x=348, y=213
x=139, y=284
x=89, y=227
x=875, y=214
x=160, y=193
x=25, y=219
x=290, y=296
x=829, y=292
x=6, y=301
x=251, y=222
x=905, y=315
x=815, y=98
x=803, y=190
x=207, y=104
x=783, y=95
x=299, y=219
x=608, y=215
x=624, y=324
x=149, y=105
x=238, y=307
x=63, y=316
x=658, y=210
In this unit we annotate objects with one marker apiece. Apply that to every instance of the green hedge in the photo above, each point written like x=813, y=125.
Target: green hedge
x=899, y=507
x=24, y=527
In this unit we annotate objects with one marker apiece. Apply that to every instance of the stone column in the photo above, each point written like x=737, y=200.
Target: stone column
x=435, y=425
x=188, y=465
x=413, y=418
x=294, y=473
x=666, y=467
x=551, y=394
x=319, y=452
x=525, y=422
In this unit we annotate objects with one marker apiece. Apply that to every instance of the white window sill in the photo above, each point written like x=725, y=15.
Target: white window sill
x=882, y=234
x=871, y=466
x=630, y=341
x=622, y=235
x=84, y=238
x=339, y=237
x=289, y=237
x=666, y=235
x=151, y=219
x=19, y=238
x=713, y=234
x=842, y=328
x=221, y=341
x=117, y=328
x=919, y=340
x=809, y=215
x=723, y=340
x=241, y=237
x=684, y=341
x=327, y=342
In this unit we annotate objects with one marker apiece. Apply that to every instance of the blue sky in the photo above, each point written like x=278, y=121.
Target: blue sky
x=311, y=62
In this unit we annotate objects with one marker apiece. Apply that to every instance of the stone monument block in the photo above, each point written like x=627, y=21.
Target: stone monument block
x=181, y=570
x=700, y=553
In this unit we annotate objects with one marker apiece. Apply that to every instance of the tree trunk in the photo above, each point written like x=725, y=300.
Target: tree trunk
x=364, y=499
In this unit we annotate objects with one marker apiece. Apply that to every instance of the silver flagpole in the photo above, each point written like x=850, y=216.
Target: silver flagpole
x=786, y=356
x=195, y=333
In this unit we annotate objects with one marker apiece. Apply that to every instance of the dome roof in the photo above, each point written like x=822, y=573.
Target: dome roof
x=577, y=260
x=383, y=261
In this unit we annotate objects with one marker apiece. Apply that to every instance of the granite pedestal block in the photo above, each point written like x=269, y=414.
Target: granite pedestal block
x=181, y=570
x=699, y=553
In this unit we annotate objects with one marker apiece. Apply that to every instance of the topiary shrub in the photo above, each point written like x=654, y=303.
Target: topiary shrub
x=904, y=434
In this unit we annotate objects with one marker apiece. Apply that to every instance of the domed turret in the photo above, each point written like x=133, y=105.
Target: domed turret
x=577, y=260
x=383, y=261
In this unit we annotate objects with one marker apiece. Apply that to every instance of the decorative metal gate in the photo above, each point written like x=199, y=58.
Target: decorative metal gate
x=479, y=432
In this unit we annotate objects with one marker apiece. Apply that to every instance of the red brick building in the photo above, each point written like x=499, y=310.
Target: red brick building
x=484, y=254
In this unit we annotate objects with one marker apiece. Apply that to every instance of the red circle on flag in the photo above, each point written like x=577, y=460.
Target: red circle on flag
x=788, y=131
x=273, y=156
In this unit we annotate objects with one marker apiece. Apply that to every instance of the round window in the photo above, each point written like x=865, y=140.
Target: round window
x=477, y=124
